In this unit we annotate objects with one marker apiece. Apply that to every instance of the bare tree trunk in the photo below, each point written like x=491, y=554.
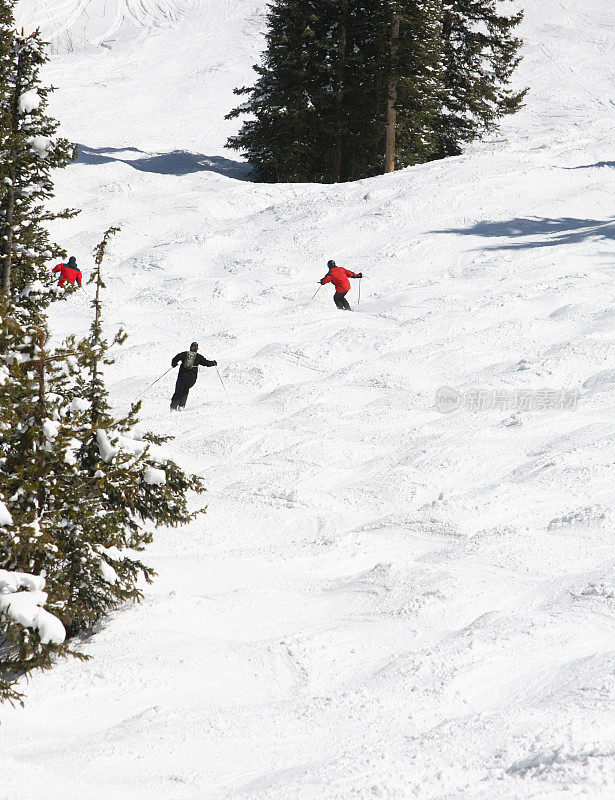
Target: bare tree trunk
x=41, y=409
x=389, y=160
x=341, y=80
x=447, y=32
x=96, y=330
x=7, y=244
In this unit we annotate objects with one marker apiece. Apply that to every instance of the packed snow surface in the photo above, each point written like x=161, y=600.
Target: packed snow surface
x=383, y=600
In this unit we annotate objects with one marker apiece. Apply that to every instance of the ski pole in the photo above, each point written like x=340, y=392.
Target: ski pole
x=223, y=386
x=155, y=382
x=359, y=300
x=317, y=290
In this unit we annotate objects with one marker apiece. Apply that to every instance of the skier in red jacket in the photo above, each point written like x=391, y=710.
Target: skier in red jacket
x=338, y=276
x=69, y=272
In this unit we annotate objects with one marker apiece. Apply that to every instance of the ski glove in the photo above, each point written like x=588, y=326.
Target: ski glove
x=214, y=363
x=360, y=275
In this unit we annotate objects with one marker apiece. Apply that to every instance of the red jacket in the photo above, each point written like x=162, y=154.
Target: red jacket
x=338, y=276
x=68, y=274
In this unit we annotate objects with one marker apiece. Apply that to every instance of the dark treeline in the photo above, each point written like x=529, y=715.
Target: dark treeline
x=353, y=88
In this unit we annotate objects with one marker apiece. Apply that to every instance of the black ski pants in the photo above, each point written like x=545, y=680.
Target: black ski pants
x=339, y=298
x=185, y=381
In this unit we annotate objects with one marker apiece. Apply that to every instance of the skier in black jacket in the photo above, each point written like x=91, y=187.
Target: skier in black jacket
x=190, y=360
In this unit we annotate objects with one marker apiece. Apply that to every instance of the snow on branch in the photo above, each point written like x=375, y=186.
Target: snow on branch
x=5, y=515
x=132, y=443
x=155, y=477
x=29, y=101
x=26, y=607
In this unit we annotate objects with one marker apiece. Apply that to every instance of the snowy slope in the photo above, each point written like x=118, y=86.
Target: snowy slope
x=383, y=600
x=71, y=25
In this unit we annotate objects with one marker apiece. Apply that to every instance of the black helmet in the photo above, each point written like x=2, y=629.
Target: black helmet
x=330, y=264
x=72, y=261
x=194, y=346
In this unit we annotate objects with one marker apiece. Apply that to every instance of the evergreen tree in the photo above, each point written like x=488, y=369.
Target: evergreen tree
x=33, y=448
x=319, y=107
x=352, y=88
x=481, y=54
x=133, y=484
x=396, y=86
x=294, y=103
x=31, y=150
x=27, y=410
x=83, y=488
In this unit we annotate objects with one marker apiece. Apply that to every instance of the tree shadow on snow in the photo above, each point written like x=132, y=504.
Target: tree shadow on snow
x=597, y=165
x=177, y=162
x=524, y=231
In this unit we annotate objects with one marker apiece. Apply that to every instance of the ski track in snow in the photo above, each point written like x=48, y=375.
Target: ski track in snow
x=74, y=23
x=382, y=601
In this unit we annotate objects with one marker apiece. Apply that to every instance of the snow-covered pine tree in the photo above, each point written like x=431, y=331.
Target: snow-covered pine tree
x=481, y=53
x=29, y=409
x=29, y=635
x=34, y=450
x=62, y=520
x=31, y=150
x=82, y=490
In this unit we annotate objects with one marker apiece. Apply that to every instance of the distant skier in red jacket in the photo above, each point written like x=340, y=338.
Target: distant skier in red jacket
x=69, y=272
x=338, y=276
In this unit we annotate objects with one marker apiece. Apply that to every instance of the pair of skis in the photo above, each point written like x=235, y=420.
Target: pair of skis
x=167, y=372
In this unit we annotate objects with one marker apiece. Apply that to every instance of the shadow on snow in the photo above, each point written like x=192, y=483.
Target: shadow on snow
x=525, y=230
x=177, y=162
x=597, y=165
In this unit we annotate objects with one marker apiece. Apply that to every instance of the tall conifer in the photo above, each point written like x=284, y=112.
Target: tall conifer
x=29, y=374
x=31, y=150
x=84, y=489
x=399, y=74
x=294, y=104
x=481, y=53
x=352, y=88
x=319, y=106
